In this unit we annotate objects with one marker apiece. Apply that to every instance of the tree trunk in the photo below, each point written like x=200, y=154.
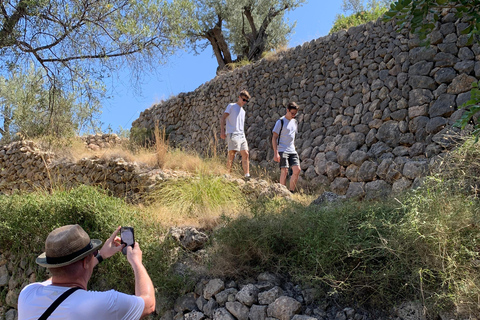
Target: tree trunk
x=219, y=45
x=257, y=40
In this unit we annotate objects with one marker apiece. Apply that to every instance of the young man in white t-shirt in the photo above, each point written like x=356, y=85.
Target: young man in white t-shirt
x=283, y=143
x=70, y=256
x=232, y=129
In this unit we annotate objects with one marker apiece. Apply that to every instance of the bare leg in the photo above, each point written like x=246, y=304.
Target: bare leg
x=294, y=177
x=283, y=176
x=245, y=161
x=231, y=156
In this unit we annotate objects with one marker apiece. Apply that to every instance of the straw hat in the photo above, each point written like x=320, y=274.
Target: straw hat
x=66, y=245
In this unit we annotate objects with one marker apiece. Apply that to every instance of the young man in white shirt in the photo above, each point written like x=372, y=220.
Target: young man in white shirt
x=232, y=129
x=70, y=256
x=283, y=143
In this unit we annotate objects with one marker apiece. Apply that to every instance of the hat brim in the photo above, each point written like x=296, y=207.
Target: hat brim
x=42, y=259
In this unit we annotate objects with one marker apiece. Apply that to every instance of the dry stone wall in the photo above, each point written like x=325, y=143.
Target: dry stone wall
x=376, y=107
x=25, y=166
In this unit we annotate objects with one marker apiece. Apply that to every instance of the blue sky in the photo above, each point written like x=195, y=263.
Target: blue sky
x=185, y=71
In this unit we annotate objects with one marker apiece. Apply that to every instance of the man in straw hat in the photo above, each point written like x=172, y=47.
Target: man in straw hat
x=70, y=256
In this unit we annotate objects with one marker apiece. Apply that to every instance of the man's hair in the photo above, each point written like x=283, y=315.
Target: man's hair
x=244, y=93
x=292, y=105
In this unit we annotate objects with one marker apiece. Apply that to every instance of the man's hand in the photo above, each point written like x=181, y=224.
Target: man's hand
x=112, y=245
x=223, y=136
x=134, y=255
x=276, y=157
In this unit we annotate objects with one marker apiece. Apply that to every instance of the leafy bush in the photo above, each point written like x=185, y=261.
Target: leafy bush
x=343, y=22
x=422, y=246
x=26, y=220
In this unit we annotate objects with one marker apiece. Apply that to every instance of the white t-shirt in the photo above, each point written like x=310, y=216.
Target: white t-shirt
x=80, y=305
x=236, y=118
x=287, y=136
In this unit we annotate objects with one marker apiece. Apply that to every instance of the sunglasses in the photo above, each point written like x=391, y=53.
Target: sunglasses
x=293, y=113
x=95, y=253
x=245, y=100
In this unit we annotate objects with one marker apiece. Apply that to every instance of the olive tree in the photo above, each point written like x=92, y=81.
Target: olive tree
x=79, y=43
x=245, y=28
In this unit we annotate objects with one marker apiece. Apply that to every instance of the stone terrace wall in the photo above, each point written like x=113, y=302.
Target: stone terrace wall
x=25, y=166
x=375, y=106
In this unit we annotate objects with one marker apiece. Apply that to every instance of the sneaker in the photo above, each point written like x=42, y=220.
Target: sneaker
x=247, y=177
x=292, y=191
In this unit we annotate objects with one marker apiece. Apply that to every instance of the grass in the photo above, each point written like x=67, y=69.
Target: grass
x=421, y=246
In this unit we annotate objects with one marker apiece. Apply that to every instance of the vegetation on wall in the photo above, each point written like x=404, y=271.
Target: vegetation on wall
x=358, y=12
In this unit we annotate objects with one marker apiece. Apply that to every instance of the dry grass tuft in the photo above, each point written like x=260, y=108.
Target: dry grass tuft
x=275, y=54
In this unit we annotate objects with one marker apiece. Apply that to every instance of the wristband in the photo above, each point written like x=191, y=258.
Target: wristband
x=99, y=258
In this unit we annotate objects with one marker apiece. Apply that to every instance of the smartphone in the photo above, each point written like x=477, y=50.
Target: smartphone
x=127, y=237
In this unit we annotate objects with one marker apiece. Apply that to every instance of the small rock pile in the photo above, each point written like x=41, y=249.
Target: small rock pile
x=99, y=141
x=267, y=298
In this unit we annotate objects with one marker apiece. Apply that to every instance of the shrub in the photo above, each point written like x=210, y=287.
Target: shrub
x=343, y=22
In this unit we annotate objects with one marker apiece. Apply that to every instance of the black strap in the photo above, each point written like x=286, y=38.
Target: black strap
x=280, y=132
x=57, y=302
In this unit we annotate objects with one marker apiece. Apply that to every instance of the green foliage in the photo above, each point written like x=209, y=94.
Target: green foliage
x=80, y=43
x=421, y=16
x=199, y=195
x=473, y=107
x=420, y=246
x=345, y=22
x=30, y=108
x=245, y=28
x=26, y=220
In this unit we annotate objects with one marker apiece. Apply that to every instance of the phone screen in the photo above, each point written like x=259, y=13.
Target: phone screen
x=127, y=236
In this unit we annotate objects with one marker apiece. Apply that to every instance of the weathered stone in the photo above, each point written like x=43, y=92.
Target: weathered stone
x=213, y=287
x=356, y=190
x=367, y=171
x=257, y=312
x=284, y=308
x=222, y=296
x=340, y=185
x=444, y=106
x=222, y=314
x=436, y=124
x=185, y=303
x=238, y=310
x=461, y=83
x=377, y=189
x=248, y=295
x=4, y=276
x=401, y=185
x=194, y=315
x=414, y=169
x=358, y=157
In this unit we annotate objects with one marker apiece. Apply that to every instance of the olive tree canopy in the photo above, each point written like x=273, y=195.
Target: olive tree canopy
x=79, y=41
x=245, y=28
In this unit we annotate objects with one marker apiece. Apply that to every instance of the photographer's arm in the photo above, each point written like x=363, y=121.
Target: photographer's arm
x=143, y=284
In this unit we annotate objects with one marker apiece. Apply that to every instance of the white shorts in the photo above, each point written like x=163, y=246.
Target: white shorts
x=237, y=142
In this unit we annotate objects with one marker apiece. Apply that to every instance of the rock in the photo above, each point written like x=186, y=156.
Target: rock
x=194, y=315
x=248, y=295
x=222, y=314
x=257, y=312
x=327, y=197
x=284, y=308
x=4, y=276
x=222, y=297
x=269, y=296
x=185, y=303
x=213, y=287
x=238, y=310
x=189, y=237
